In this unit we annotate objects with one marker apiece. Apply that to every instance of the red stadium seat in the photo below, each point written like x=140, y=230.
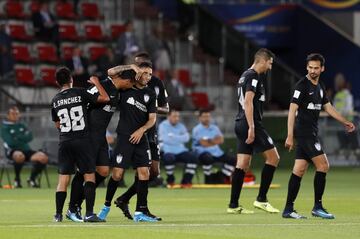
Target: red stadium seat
x=47, y=75
x=66, y=51
x=93, y=32
x=65, y=10
x=21, y=53
x=184, y=78
x=95, y=51
x=47, y=53
x=116, y=30
x=24, y=76
x=68, y=31
x=34, y=6
x=201, y=101
x=14, y=9
x=18, y=31
x=90, y=10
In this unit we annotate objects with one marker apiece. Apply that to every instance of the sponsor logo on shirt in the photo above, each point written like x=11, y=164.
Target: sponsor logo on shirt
x=137, y=104
x=312, y=106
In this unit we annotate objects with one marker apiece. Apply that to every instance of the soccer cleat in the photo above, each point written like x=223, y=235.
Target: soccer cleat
x=239, y=210
x=17, y=184
x=266, y=206
x=74, y=216
x=321, y=212
x=58, y=218
x=93, y=218
x=104, y=212
x=142, y=217
x=148, y=213
x=292, y=214
x=32, y=183
x=186, y=185
x=124, y=207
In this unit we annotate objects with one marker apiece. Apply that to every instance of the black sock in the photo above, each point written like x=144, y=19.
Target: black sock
x=236, y=186
x=60, y=200
x=98, y=179
x=187, y=178
x=17, y=168
x=77, y=191
x=266, y=179
x=36, y=170
x=293, y=190
x=319, y=188
x=126, y=196
x=89, y=193
x=142, y=192
x=110, y=191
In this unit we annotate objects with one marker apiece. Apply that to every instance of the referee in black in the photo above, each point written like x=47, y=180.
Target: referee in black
x=251, y=135
x=308, y=100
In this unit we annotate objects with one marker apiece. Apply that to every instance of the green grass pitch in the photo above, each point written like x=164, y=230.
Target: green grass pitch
x=193, y=213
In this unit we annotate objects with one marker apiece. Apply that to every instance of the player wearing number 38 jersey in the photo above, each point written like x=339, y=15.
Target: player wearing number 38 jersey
x=69, y=112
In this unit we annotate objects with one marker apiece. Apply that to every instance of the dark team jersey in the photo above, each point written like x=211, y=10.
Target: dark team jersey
x=161, y=99
x=251, y=81
x=310, y=98
x=100, y=114
x=70, y=108
x=135, y=106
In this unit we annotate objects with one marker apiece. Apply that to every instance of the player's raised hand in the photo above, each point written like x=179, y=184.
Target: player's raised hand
x=251, y=135
x=93, y=80
x=349, y=126
x=289, y=143
x=135, y=68
x=136, y=136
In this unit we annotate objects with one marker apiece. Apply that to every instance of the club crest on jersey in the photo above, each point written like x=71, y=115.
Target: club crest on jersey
x=157, y=90
x=119, y=158
x=146, y=98
x=317, y=146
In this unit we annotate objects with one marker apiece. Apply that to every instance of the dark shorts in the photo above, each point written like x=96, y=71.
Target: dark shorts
x=308, y=148
x=76, y=153
x=101, y=150
x=126, y=153
x=28, y=153
x=262, y=142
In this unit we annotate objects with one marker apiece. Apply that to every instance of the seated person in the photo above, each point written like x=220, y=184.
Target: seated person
x=206, y=140
x=172, y=136
x=16, y=138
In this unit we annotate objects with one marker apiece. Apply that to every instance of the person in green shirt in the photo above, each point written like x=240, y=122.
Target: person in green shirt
x=16, y=137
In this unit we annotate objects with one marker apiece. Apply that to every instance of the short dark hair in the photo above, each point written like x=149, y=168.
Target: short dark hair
x=145, y=64
x=143, y=54
x=264, y=53
x=315, y=57
x=63, y=76
x=172, y=110
x=203, y=111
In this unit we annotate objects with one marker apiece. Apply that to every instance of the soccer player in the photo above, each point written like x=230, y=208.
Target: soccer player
x=70, y=114
x=99, y=118
x=137, y=115
x=308, y=100
x=162, y=107
x=251, y=134
x=206, y=140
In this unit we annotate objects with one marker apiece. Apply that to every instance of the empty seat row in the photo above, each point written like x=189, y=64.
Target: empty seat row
x=39, y=76
x=63, y=10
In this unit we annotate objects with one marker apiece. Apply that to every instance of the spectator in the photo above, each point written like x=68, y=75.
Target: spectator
x=207, y=139
x=172, y=136
x=78, y=65
x=177, y=92
x=45, y=25
x=6, y=59
x=344, y=104
x=16, y=138
x=127, y=45
x=105, y=62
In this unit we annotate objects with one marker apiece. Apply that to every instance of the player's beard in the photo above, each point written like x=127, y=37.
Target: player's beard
x=314, y=76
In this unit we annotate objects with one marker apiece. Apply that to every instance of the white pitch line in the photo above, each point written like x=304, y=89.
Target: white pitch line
x=178, y=225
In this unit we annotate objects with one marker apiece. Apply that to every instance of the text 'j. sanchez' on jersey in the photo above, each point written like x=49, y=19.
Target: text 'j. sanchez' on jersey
x=310, y=98
x=250, y=80
x=70, y=107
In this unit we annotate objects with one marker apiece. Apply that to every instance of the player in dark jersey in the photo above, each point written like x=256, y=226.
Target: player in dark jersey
x=99, y=118
x=137, y=115
x=69, y=112
x=162, y=108
x=308, y=100
x=251, y=135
